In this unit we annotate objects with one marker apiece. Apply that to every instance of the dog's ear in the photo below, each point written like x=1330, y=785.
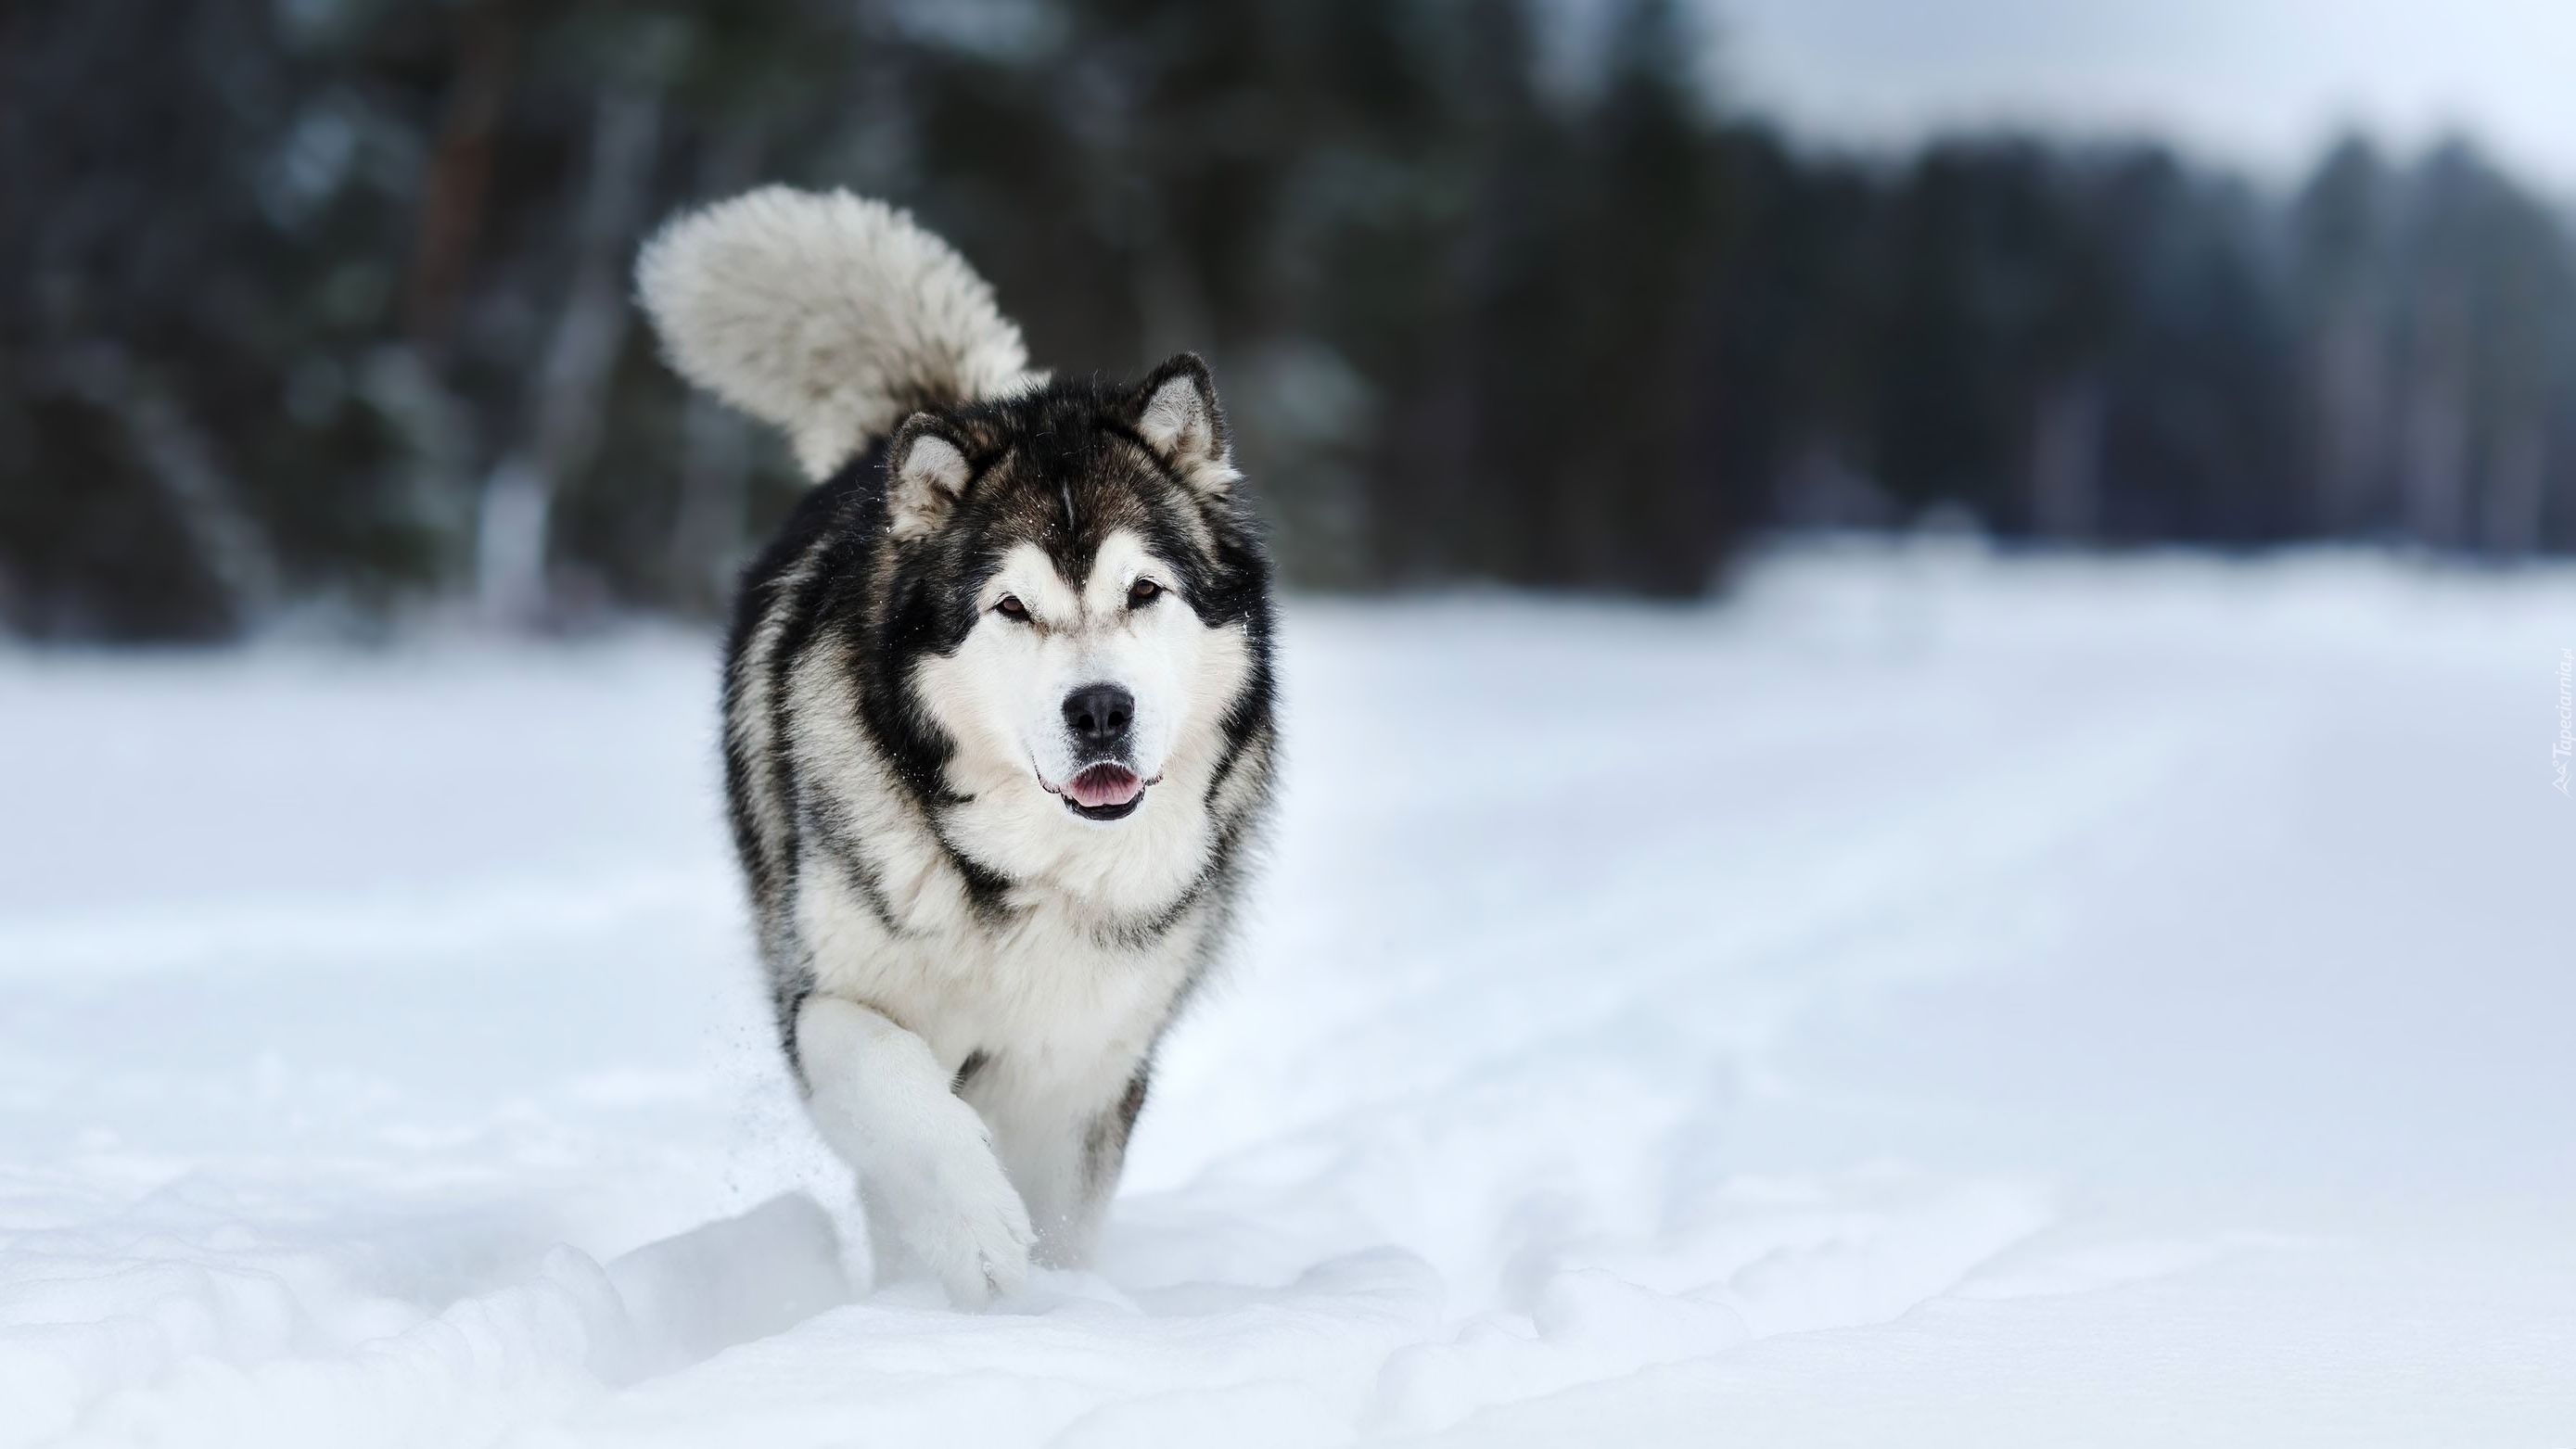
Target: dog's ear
x=1177, y=414
x=925, y=472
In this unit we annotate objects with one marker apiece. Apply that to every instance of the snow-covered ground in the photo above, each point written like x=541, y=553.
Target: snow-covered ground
x=1928, y=1000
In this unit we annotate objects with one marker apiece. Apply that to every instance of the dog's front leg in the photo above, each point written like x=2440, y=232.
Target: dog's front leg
x=924, y=1159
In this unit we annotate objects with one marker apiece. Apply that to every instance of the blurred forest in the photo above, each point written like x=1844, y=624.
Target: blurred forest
x=320, y=307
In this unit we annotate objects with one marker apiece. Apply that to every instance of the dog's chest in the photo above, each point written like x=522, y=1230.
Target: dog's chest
x=1041, y=986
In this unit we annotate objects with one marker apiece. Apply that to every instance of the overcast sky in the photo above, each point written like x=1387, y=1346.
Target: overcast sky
x=2259, y=83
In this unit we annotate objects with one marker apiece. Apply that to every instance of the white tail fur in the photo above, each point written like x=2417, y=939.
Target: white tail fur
x=832, y=316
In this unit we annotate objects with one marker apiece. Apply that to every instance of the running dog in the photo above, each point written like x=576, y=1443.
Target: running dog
x=998, y=723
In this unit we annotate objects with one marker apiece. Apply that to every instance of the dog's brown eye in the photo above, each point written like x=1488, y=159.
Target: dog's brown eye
x=1146, y=591
x=1010, y=607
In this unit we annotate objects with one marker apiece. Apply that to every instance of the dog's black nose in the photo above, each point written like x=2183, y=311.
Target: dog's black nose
x=1098, y=716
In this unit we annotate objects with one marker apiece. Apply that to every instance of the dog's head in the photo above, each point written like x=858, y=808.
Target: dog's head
x=1088, y=589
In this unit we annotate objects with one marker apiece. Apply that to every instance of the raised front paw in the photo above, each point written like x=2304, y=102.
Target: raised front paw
x=958, y=1213
x=979, y=1246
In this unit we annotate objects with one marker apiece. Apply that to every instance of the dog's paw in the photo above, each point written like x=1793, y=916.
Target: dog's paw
x=959, y=1215
x=979, y=1249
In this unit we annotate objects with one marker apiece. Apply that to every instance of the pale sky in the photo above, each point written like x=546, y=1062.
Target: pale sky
x=2260, y=84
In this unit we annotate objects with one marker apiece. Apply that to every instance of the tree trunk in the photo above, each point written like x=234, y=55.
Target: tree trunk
x=2066, y=461
x=2436, y=456
x=227, y=539
x=2517, y=476
x=2351, y=426
x=571, y=391
x=460, y=168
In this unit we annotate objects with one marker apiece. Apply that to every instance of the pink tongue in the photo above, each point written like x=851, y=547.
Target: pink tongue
x=1103, y=785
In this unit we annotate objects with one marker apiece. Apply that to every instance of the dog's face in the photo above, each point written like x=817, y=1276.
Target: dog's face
x=1096, y=583
x=1088, y=676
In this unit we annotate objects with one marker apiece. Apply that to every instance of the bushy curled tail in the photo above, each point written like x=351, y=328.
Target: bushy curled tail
x=832, y=316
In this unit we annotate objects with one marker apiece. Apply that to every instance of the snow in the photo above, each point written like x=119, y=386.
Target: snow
x=1930, y=998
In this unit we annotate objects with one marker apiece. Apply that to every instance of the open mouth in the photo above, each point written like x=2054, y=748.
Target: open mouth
x=1106, y=791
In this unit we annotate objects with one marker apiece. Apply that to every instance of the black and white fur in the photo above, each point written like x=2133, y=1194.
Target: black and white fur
x=1003, y=591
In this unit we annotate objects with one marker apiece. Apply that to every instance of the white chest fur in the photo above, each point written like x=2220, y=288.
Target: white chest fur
x=1053, y=994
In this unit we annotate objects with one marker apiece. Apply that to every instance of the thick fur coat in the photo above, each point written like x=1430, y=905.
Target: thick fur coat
x=997, y=719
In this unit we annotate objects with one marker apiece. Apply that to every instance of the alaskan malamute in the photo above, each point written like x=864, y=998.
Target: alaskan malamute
x=997, y=719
